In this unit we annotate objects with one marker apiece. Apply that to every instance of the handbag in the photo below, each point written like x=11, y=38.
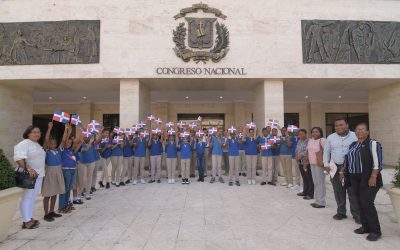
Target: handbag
x=320, y=155
x=23, y=179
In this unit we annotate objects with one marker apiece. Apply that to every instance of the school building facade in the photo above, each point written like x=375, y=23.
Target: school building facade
x=300, y=62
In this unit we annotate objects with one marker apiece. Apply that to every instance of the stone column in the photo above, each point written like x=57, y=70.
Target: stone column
x=160, y=110
x=384, y=120
x=16, y=108
x=269, y=102
x=316, y=116
x=239, y=110
x=86, y=112
x=134, y=102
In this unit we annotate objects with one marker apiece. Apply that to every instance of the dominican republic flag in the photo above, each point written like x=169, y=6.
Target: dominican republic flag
x=134, y=128
x=62, y=117
x=275, y=139
x=184, y=134
x=272, y=123
x=181, y=124
x=192, y=125
x=144, y=134
x=94, y=123
x=169, y=124
x=199, y=133
x=212, y=130
x=105, y=140
x=171, y=132
x=240, y=135
x=265, y=146
x=199, y=119
x=93, y=129
x=116, y=130
x=86, y=133
x=156, y=131
x=158, y=121
x=232, y=129
x=251, y=125
x=117, y=139
x=129, y=131
x=151, y=118
x=292, y=128
x=75, y=120
x=142, y=124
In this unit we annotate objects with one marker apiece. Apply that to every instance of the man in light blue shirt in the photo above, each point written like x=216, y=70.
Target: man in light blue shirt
x=336, y=148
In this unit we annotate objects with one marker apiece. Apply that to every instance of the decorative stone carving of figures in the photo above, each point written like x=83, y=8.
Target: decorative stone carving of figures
x=314, y=41
x=393, y=46
x=4, y=44
x=91, y=44
x=18, y=53
x=361, y=40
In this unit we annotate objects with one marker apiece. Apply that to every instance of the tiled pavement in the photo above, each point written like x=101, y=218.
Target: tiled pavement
x=203, y=216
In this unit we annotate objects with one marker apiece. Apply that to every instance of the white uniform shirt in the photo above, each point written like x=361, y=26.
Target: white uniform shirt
x=33, y=153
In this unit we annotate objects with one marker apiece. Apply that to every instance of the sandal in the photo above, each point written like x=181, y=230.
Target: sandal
x=36, y=221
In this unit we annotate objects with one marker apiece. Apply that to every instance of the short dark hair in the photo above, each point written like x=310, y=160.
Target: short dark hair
x=28, y=131
x=341, y=119
x=264, y=129
x=319, y=130
x=362, y=123
x=302, y=130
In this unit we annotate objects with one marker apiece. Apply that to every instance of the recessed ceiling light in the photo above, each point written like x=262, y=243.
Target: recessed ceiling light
x=221, y=97
x=187, y=97
x=84, y=97
x=306, y=97
x=340, y=97
x=50, y=98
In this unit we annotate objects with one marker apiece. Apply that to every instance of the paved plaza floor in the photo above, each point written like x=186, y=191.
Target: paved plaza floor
x=203, y=216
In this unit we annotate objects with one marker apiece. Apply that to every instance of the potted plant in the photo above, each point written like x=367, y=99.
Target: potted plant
x=394, y=191
x=9, y=195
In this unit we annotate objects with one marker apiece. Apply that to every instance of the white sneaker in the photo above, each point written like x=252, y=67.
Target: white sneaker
x=253, y=182
x=284, y=184
x=173, y=181
x=134, y=182
x=249, y=182
x=290, y=186
x=169, y=181
x=142, y=181
x=295, y=187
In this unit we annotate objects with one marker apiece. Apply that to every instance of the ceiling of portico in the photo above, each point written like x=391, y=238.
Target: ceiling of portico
x=107, y=90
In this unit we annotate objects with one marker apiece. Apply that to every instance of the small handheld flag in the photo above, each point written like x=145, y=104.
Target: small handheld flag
x=129, y=131
x=86, y=133
x=232, y=129
x=272, y=123
x=213, y=130
x=144, y=133
x=142, y=124
x=181, y=124
x=117, y=139
x=265, y=146
x=275, y=139
x=192, y=125
x=117, y=130
x=171, y=132
x=199, y=119
x=184, y=134
x=158, y=121
x=170, y=124
x=93, y=129
x=62, y=117
x=156, y=131
x=292, y=128
x=199, y=133
x=75, y=120
x=105, y=140
x=151, y=118
x=251, y=125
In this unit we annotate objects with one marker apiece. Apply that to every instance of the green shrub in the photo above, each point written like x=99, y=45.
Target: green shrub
x=7, y=175
x=396, y=179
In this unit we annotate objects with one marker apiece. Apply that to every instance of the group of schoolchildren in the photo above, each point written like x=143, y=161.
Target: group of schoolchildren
x=77, y=164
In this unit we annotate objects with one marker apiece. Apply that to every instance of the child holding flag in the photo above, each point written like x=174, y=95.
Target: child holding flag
x=116, y=160
x=171, y=149
x=251, y=149
x=139, y=159
x=86, y=166
x=186, y=150
x=156, y=150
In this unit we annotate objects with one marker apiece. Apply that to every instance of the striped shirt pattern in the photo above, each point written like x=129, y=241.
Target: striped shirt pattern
x=354, y=157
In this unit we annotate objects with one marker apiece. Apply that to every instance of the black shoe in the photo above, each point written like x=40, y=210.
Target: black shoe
x=361, y=230
x=48, y=218
x=373, y=236
x=179, y=176
x=128, y=181
x=158, y=181
x=205, y=175
x=315, y=205
x=78, y=202
x=230, y=183
x=54, y=215
x=122, y=183
x=151, y=181
x=212, y=180
x=183, y=181
x=93, y=189
x=187, y=181
x=89, y=198
x=90, y=193
x=101, y=184
x=113, y=183
x=307, y=198
x=221, y=179
x=192, y=176
x=301, y=194
x=244, y=174
x=237, y=183
x=202, y=179
x=117, y=185
x=257, y=174
x=263, y=183
x=107, y=185
x=339, y=216
x=271, y=183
